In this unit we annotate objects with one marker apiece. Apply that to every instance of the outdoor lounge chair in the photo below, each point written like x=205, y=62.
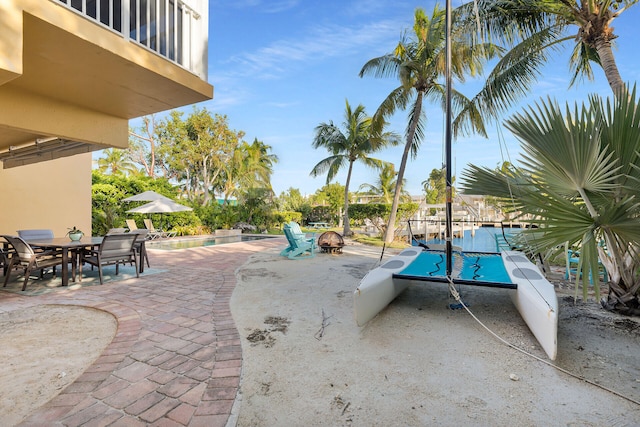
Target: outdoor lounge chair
x=156, y=231
x=25, y=257
x=294, y=229
x=297, y=231
x=115, y=249
x=131, y=223
x=299, y=246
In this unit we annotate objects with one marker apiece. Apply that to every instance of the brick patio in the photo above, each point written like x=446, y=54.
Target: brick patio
x=176, y=358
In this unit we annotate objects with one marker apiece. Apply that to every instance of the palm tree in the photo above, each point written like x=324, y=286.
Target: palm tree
x=435, y=186
x=385, y=186
x=535, y=28
x=358, y=141
x=249, y=167
x=418, y=62
x=579, y=179
x=117, y=162
x=258, y=163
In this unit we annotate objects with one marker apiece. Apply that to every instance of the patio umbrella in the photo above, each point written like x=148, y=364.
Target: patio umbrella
x=147, y=196
x=160, y=206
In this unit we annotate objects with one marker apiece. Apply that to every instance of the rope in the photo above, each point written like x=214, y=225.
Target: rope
x=456, y=296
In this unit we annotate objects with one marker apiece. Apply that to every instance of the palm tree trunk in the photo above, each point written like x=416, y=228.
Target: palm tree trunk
x=603, y=47
x=345, y=215
x=390, y=231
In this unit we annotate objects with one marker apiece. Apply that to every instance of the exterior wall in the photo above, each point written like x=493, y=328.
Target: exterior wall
x=54, y=194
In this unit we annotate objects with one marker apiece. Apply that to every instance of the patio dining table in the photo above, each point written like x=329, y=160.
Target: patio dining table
x=66, y=245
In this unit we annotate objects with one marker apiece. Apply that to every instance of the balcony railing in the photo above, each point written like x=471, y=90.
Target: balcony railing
x=170, y=28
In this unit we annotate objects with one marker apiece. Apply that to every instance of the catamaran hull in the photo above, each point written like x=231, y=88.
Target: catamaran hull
x=377, y=289
x=534, y=298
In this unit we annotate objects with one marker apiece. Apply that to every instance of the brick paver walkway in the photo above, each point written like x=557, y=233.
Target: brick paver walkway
x=176, y=357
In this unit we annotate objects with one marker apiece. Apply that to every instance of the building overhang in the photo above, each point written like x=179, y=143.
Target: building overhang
x=75, y=80
x=44, y=149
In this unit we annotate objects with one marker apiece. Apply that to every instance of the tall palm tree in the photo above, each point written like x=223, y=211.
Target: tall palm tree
x=117, y=162
x=536, y=28
x=418, y=62
x=579, y=180
x=357, y=142
x=385, y=185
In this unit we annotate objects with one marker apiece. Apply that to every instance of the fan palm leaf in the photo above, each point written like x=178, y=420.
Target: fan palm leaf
x=576, y=179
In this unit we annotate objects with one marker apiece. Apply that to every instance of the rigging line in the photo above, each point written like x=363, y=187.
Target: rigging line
x=456, y=295
x=413, y=238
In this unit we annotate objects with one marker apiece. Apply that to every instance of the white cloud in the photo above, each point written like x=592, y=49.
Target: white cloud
x=323, y=42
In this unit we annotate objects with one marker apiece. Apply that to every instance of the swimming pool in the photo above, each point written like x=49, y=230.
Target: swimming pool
x=484, y=240
x=202, y=241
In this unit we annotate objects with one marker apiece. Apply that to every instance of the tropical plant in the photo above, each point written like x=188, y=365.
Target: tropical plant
x=292, y=200
x=327, y=203
x=255, y=206
x=418, y=62
x=435, y=187
x=579, y=179
x=116, y=162
x=534, y=29
x=197, y=150
x=250, y=166
x=385, y=186
x=357, y=142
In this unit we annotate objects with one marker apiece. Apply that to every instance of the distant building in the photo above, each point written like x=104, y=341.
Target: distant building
x=72, y=74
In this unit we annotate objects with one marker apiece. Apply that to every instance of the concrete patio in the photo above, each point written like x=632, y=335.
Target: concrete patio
x=176, y=358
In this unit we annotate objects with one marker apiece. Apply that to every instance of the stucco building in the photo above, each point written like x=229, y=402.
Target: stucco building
x=72, y=74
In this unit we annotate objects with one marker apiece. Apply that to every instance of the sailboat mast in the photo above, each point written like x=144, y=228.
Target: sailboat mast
x=449, y=189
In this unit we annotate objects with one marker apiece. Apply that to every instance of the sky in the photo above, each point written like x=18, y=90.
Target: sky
x=282, y=67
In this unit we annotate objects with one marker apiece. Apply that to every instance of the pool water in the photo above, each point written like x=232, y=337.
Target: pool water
x=198, y=242
x=484, y=240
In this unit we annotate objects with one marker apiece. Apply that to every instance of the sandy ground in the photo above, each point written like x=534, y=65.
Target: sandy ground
x=306, y=363
x=418, y=362
x=43, y=349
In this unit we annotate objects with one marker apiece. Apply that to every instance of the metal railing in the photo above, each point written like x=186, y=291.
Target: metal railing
x=166, y=27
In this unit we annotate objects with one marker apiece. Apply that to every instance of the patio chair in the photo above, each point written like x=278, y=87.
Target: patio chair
x=299, y=246
x=131, y=224
x=157, y=232
x=140, y=247
x=296, y=232
x=115, y=249
x=26, y=258
x=41, y=233
x=5, y=254
x=573, y=261
x=117, y=230
x=36, y=234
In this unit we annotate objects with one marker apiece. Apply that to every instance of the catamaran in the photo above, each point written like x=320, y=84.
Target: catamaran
x=533, y=295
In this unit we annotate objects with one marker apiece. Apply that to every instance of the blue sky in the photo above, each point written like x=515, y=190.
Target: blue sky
x=281, y=67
